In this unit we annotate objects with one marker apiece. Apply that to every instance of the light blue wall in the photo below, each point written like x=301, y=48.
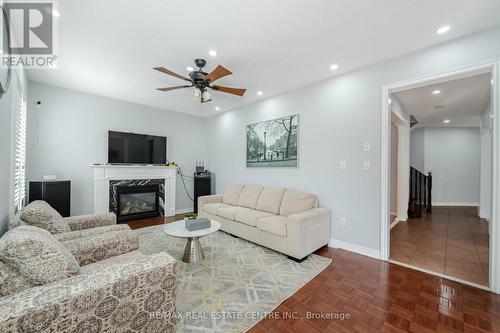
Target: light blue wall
x=336, y=117
x=453, y=156
x=69, y=133
x=417, y=149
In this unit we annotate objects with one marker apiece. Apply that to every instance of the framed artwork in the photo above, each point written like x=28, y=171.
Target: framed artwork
x=273, y=143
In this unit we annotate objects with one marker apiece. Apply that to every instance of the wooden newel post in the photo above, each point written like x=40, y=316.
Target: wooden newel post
x=429, y=193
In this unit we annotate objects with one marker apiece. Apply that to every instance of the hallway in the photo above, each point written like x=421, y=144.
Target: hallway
x=451, y=241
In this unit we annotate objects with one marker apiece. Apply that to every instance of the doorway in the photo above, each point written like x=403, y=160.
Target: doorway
x=444, y=234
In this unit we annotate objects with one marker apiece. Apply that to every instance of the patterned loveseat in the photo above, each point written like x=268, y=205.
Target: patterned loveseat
x=283, y=220
x=101, y=283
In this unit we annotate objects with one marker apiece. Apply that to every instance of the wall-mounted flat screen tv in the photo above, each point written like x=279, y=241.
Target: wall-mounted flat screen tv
x=130, y=148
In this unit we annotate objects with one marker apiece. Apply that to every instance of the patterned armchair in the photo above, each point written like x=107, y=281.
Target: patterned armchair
x=93, y=284
x=40, y=214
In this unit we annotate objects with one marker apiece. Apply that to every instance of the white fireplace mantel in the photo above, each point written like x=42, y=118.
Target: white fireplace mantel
x=104, y=173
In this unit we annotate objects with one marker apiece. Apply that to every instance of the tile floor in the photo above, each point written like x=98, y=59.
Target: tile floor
x=452, y=241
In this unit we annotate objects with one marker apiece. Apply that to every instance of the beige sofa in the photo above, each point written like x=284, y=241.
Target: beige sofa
x=287, y=221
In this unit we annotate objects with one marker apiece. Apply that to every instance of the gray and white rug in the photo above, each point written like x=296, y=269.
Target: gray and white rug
x=236, y=286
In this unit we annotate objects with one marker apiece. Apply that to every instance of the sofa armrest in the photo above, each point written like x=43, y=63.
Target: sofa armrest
x=215, y=198
x=135, y=296
x=90, y=221
x=308, y=231
x=66, y=236
x=102, y=246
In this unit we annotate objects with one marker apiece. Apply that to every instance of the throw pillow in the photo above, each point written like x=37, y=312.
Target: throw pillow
x=37, y=255
x=41, y=214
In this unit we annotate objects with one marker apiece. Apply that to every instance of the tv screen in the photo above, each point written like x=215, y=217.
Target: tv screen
x=130, y=148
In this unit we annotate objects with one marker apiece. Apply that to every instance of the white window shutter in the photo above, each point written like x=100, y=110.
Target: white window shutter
x=20, y=153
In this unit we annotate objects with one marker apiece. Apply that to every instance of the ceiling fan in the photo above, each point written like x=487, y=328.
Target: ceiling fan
x=202, y=81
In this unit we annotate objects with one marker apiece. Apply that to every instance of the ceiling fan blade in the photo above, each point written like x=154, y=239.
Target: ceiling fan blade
x=169, y=72
x=173, y=88
x=234, y=91
x=217, y=73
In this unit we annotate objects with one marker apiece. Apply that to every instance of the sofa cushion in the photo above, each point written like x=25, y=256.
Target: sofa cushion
x=232, y=194
x=11, y=281
x=41, y=214
x=211, y=208
x=270, y=199
x=249, y=196
x=274, y=224
x=296, y=202
x=37, y=255
x=250, y=216
x=230, y=212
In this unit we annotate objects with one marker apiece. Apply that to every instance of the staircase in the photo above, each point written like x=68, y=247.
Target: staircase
x=420, y=193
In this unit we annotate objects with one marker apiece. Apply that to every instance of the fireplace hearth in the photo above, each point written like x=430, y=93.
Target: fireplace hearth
x=137, y=202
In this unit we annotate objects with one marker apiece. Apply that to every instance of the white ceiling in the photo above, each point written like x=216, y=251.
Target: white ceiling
x=109, y=47
x=463, y=99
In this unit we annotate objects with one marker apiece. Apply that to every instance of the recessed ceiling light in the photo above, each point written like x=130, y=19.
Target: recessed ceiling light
x=443, y=29
x=260, y=93
x=334, y=67
x=436, y=92
x=446, y=121
x=189, y=68
x=212, y=53
x=217, y=108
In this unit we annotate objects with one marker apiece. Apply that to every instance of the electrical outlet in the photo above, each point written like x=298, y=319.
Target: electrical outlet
x=367, y=165
x=49, y=177
x=343, y=221
x=367, y=146
x=343, y=165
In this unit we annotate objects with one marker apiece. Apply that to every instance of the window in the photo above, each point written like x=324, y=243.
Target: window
x=20, y=153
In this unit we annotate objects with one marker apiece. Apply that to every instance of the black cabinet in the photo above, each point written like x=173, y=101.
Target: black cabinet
x=202, y=187
x=56, y=193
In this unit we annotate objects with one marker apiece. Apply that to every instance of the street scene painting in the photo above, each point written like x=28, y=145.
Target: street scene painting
x=273, y=143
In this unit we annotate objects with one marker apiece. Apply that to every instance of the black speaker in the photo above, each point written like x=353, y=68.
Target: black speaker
x=202, y=186
x=56, y=193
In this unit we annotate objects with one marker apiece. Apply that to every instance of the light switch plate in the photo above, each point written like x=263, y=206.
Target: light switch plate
x=367, y=146
x=367, y=165
x=342, y=221
x=343, y=165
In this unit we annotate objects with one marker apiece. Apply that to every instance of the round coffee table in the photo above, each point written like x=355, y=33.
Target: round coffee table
x=193, y=252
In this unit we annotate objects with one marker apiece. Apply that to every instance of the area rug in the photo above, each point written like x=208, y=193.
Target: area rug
x=238, y=283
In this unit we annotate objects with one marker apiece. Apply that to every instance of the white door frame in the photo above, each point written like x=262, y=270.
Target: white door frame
x=492, y=67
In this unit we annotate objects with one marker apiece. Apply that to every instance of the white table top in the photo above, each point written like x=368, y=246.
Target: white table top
x=178, y=229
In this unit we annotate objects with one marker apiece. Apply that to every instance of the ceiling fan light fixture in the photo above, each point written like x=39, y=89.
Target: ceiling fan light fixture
x=206, y=95
x=196, y=93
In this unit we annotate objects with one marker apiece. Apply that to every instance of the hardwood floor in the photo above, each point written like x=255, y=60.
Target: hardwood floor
x=451, y=241
x=360, y=294
x=154, y=221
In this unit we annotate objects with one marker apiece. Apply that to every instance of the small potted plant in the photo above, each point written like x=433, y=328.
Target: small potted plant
x=190, y=216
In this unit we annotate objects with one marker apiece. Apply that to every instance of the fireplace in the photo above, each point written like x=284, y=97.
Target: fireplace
x=137, y=202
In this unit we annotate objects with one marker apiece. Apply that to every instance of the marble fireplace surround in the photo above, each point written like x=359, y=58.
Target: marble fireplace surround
x=106, y=176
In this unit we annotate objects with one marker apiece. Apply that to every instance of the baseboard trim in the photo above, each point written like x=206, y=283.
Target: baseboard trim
x=465, y=204
x=338, y=244
x=393, y=224
x=183, y=211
